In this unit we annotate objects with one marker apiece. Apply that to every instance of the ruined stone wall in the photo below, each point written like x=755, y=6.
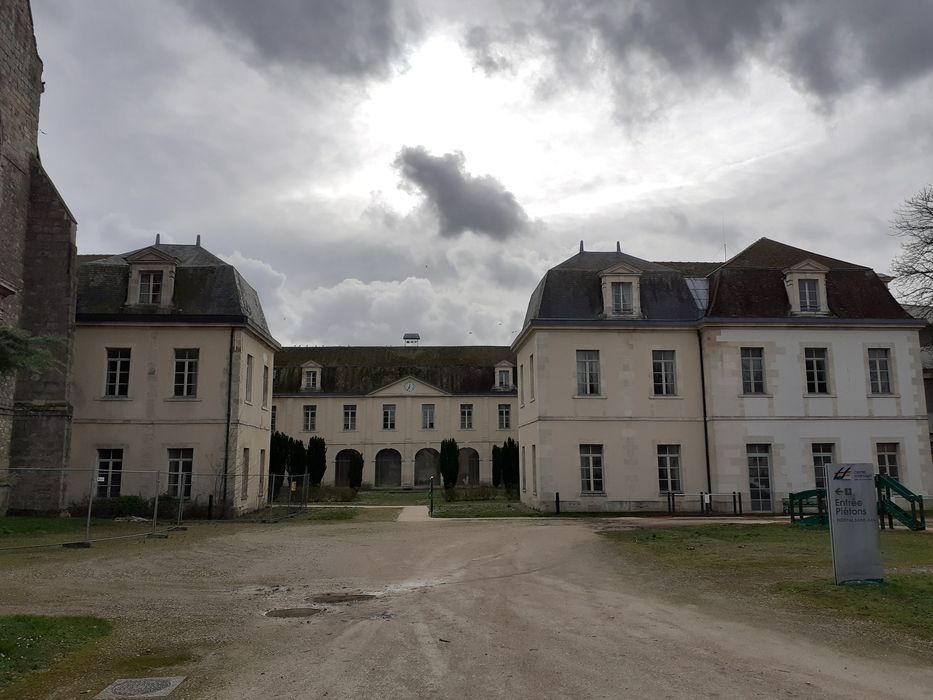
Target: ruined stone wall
x=20, y=89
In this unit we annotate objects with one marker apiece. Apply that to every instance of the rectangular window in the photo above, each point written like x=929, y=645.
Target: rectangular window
x=310, y=379
x=534, y=470
x=817, y=369
x=591, y=469
x=180, y=467
x=118, y=372
x=150, y=287
x=466, y=416
x=244, y=484
x=587, y=372
x=186, y=372
x=249, y=378
x=887, y=459
x=262, y=474
x=505, y=416
x=427, y=416
x=349, y=416
x=664, y=372
x=809, y=295
x=531, y=378
x=388, y=416
x=822, y=455
x=521, y=384
x=622, y=298
x=265, y=385
x=524, y=467
x=109, y=472
x=669, y=469
x=310, y=418
x=879, y=370
x=505, y=378
x=272, y=426
x=753, y=370
x=759, y=477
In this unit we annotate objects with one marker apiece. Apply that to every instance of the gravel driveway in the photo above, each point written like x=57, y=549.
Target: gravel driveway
x=460, y=610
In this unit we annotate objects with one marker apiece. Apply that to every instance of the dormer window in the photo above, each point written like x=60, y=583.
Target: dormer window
x=310, y=380
x=504, y=380
x=809, y=295
x=806, y=288
x=150, y=286
x=622, y=298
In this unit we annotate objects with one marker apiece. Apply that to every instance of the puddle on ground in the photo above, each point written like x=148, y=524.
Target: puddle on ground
x=294, y=612
x=331, y=598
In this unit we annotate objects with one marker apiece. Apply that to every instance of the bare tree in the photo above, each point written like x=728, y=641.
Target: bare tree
x=913, y=221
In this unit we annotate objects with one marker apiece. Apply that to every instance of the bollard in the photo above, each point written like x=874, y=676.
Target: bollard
x=557, y=502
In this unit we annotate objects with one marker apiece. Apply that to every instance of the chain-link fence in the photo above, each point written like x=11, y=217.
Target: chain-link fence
x=705, y=503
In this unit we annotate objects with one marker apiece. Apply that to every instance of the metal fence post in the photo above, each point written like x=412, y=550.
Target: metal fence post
x=90, y=505
x=431, y=508
x=155, y=505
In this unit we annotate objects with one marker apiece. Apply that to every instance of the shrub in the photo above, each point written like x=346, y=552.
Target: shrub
x=356, y=471
x=449, y=462
x=331, y=494
x=117, y=507
x=317, y=459
x=482, y=492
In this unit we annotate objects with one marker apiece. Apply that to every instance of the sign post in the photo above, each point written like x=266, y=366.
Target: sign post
x=853, y=523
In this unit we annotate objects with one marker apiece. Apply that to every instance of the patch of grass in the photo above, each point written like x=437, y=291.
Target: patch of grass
x=484, y=509
x=795, y=564
x=30, y=643
x=396, y=498
x=904, y=601
x=30, y=525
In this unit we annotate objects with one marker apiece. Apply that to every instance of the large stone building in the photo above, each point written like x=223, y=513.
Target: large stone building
x=173, y=378
x=639, y=378
x=37, y=239
x=394, y=406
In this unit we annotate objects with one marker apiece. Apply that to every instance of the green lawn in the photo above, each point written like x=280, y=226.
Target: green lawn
x=396, y=498
x=29, y=643
x=483, y=509
x=796, y=564
x=29, y=525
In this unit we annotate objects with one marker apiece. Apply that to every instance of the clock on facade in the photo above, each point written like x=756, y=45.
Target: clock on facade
x=409, y=387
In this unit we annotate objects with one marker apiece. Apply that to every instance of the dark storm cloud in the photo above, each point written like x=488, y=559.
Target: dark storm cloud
x=359, y=38
x=486, y=57
x=461, y=202
x=654, y=52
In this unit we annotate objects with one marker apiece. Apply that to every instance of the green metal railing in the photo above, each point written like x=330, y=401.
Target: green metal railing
x=914, y=519
x=802, y=504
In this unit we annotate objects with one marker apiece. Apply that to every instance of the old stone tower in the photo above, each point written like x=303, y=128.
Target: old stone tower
x=37, y=279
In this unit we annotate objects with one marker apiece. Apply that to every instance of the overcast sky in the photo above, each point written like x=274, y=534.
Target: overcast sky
x=379, y=167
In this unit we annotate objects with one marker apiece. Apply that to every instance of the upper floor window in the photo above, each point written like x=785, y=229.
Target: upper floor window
x=531, y=377
x=349, y=417
x=817, y=370
x=388, y=416
x=186, y=372
x=521, y=384
x=310, y=380
x=664, y=373
x=587, y=372
x=879, y=370
x=249, y=378
x=504, y=378
x=809, y=290
x=265, y=385
x=623, y=300
x=427, y=416
x=466, y=416
x=309, y=414
x=505, y=416
x=150, y=286
x=591, y=469
x=118, y=372
x=753, y=370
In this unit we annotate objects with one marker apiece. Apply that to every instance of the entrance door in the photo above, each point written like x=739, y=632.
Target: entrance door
x=759, y=477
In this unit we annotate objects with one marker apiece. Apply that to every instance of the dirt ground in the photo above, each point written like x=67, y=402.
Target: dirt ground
x=461, y=609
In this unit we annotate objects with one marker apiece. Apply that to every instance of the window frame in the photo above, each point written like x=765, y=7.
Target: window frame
x=388, y=416
x=761, y=453
x=119, y=388
x=664, y=373
x=183, y=457
x=749, y=380
x=879, y=377
x=152, y=281
x=313, y=374
x=670, y=471
x=507, y=374
x=349, y=417
x=589, y=456
x=588, y=368
x=244, y=482
x=891, y=459
x=808, y=295
x=813, y=386
x=249, y=379
x=109, y=465
x=272, y=412
x=466, y=416
x=187, y=368
x=265, y=386
x=619, y=307
x=428, y=416
x=818, y=459
x=505, y=416
x=309, y=418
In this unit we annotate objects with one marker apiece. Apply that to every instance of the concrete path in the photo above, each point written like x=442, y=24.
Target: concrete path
x=414, y=514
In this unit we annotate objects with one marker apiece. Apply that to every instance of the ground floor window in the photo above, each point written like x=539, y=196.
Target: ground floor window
x=180, y=467
x=759, y=477
x=109, y=472
x=822, y=456
x=591, y=469
x=887, y=459
x=244, y=485
x=669, y=469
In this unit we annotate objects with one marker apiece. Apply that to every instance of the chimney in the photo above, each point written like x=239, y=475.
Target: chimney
x=158, y=236
x=197, y=241
x=581, y=246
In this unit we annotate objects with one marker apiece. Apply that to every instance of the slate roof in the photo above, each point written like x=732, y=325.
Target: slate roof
x=207, y=290
x=358, y=370
x=750, y=285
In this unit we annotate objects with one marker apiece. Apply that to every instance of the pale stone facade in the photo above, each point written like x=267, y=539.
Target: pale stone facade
x=395, y=405
x=176, y=391
x=810, y=361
